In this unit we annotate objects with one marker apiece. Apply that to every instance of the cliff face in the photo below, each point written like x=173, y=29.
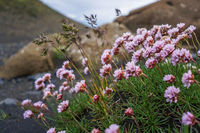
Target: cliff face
x=22, y=20
x=163, y=12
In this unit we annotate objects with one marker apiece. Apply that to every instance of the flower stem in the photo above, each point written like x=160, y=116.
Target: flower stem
x=77, y=121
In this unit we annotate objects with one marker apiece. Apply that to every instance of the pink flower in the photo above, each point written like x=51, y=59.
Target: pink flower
x=132, y=70
x=158, y=35
x=38, y=104
x=137, y=56
x=114, y=50
x=59, y=96
x=58, y=72
x=95, y=130
x=84, y=61
x=190, y=30
x=63, y=88
x=96, y=98
x=167, y=50
x=176, y=56
x=66, y=65
x=119, y=41
x=67, y=74
x=65, y=83
x=139, y=39
x=169, y=78
x=50, y=86
x=129, y=112
x=188, y=79
x=129, y=46
x=105, y=70
x=51, y=130
x=63, y=106
x=41, y=115
x=158, y=45
x=47, y=77
x=181, y=26
x=171, y=94
x=71, y=90
x=46, y=94
x=80, y=86
x=112, y=129
x=142, y=31
x=188, y=119
x=126, y=36
x=28, y=114
x=26, y=102
x=86, y=70
x=107, y=91
x=187, y=56
x=153, y=31
x=148, y=42
x=198, y=53
x=61, y=132
x=148, y=52
x=55, y=93
x=164, y=28
x=173, y=33
x=151, y=63
x=119, y=74
x=39, y=84
x=106, y=56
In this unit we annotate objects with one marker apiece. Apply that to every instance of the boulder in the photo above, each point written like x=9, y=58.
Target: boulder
x=26, y=61
x=163, y=12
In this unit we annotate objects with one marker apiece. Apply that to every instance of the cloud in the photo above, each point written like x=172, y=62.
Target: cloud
x=105, y=9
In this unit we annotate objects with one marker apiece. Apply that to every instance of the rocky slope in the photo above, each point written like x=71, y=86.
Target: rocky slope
x=163, y=12
x=22, y=20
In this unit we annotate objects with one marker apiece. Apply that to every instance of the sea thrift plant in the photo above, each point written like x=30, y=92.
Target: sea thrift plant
x=143, y=92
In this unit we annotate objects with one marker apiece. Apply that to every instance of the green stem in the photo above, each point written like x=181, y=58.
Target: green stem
x=77, y=122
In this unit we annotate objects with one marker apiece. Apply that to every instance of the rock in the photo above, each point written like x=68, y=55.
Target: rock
x=1, y=81
x=9, y=101
x=27, y=61
x=163, y=12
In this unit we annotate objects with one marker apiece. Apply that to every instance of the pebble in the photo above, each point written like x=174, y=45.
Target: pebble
x=9, y=101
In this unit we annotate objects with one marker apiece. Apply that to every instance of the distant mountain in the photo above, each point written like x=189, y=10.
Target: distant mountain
x=163, y=12
x=22, y=20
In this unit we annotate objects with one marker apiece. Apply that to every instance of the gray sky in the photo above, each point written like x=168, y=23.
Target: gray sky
x=104, y=9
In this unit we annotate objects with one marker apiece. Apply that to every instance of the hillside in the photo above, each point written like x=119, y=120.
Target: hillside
x=163, y=12
x=22, y=20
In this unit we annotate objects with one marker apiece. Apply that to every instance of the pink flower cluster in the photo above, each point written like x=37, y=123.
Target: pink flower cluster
x=188, y=79
x=105, y=70
x=188, y=119
x=80, y=86
x=169, y=78
x=28, y=114
x=119, y=74
x=129, y=112
x=112, y=129
x=132, y=70
x=106, y=57
x=63, y=106
x=171, y=94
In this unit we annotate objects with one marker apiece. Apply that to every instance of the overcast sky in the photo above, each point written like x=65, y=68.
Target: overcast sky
x=104, y=9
